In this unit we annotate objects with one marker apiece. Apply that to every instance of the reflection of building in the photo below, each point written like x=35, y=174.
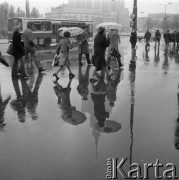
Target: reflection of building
x=96, y=10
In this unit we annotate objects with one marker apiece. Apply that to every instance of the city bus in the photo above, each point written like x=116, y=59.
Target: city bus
x=45, y=30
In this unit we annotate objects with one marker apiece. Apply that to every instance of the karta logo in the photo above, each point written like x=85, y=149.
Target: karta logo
x=115, y=170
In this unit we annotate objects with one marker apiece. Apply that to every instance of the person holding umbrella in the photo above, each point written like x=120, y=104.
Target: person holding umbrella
x=63, y=51
x=83, y=45
x=114, y=39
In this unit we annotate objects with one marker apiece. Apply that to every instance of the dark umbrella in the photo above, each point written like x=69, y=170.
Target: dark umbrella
x=72, y=116
x=3, y=61
x=109, y=126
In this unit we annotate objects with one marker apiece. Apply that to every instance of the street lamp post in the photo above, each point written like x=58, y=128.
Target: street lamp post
x=165, y=13
x=135, y=13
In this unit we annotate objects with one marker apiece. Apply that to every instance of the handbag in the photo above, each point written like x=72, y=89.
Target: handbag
x=10, y=49
x=55, y=60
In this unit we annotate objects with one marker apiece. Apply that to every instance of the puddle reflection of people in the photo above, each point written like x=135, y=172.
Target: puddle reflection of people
x=69, y=113
x=112, y=88
x=165, y=65
x=3, y=104
x=132, y=65
x=176, y=142
x=83, y=82
x=147, y=49
x=98, y=96
x=156, y=55
x=33, y=100
x=28, y=99
x=19, y=104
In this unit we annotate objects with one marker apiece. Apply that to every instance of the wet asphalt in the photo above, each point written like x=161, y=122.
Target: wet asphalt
x=66, y=130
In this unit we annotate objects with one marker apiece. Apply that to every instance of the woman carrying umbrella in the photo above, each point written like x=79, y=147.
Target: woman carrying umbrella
x=63, y=49
x=114, y=39
x=100, y=44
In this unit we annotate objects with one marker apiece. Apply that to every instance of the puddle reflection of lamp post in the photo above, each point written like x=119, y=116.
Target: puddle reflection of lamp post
x=132, y=76
x=135, y=13
x=165, y=20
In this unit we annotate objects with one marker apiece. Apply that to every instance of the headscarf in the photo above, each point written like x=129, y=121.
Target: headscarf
x=16, y=29
x=101, y=30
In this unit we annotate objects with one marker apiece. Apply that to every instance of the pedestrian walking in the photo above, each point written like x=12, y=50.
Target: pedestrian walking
x=100, y=45
x=18, y=53
x=133, y=39
x=114, y=39
x=177, y=38
x=173, y=39
x=83, y=79
x=83, y=46
x=98, y=97
x=63, y=52
x=29, y=46
x=147, y=37
x=157, y=38
x=167, y=39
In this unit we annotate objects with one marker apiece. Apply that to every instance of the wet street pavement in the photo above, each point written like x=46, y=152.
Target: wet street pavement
x=67, y=130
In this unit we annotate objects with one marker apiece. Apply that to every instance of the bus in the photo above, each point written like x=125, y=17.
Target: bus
x=45, y=31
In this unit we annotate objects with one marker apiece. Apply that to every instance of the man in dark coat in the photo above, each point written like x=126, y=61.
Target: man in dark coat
x=147, y=37
x=157, y=38
x=167, y=39
x=133, y=39
x=18, y=53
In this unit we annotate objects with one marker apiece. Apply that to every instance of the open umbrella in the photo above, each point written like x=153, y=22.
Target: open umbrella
x=109, y=25
x=109, y=127
x=3, y=61
x=74, y=31
x=62, y=28
x=72, y=116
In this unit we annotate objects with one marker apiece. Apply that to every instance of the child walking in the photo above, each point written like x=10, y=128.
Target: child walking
x=63, y=52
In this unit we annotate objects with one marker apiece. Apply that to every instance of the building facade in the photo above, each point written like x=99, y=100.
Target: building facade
x=97, y=10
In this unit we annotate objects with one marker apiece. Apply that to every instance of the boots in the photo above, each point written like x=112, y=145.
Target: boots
x=88, y=59
x=80, y=58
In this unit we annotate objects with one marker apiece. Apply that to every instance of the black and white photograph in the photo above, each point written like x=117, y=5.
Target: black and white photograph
x=89, y=89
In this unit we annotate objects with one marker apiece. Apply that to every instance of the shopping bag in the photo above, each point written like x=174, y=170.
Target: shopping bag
x=10, y=49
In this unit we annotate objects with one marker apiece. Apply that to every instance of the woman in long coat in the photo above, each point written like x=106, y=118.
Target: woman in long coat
x=100, y=45
x=18, y=53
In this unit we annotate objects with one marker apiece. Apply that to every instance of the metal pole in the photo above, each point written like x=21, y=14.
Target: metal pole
x=135, y=13
x=165, y=18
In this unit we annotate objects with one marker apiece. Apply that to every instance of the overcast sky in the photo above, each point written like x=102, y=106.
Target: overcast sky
x=145, y=6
